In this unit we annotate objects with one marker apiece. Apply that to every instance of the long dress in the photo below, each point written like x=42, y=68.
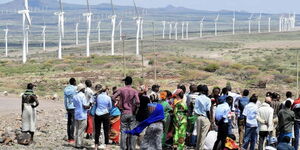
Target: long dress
x=29, y=113
x=180, y=123
x=167, y=120
x=115, y=122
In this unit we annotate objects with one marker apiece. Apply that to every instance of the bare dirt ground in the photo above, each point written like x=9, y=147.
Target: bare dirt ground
x=273, y=44
x=51, y=125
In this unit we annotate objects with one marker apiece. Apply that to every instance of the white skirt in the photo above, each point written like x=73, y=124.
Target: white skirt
x=28, y=118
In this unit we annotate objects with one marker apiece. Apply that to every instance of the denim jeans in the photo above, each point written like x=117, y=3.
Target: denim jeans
x=128, y=122
x=250, y=137
x=296, y=131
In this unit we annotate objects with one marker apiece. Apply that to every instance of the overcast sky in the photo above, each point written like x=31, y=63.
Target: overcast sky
x=268, y=6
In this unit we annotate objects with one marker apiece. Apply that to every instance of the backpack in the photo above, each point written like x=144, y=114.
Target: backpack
x=69, y=93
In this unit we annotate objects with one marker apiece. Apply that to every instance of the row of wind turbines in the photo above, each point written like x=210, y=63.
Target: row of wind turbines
x=285, y=24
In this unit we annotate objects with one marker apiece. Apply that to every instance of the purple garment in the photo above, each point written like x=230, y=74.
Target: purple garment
x=129, y=99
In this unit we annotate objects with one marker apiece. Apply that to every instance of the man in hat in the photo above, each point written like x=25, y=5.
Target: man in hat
x=81, y=106
x=128, y=103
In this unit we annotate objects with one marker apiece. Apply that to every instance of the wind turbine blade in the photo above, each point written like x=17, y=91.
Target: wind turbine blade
x=26, y=4
x=136, y=10
x=28, y=18
x=61, y=6
x=112, y=7
x=88, y=6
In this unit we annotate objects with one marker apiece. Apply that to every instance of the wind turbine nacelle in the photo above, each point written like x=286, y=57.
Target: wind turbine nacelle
x=87, y=14
x=23, y=11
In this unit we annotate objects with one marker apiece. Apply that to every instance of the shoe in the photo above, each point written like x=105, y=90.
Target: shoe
x=102, y=146
x=71, y=141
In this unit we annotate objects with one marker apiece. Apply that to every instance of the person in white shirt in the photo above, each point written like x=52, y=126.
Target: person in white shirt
x=250, y=112
x=89, y=94
x=289, y=96
x=265, y=119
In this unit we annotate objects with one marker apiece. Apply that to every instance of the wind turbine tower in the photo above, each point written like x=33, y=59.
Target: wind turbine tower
x=120, y=28
x=201, y=27
x=182, y=30
x=249, y=23
x=6, y=40
x=164, y=28
x=26, y=22
x=170, y=30
x=176, y=31
x=44, y=36
x=216, y=25
x=258, y=23
x=61, y=28
x=138, y=24
x=88, y=16
x=99, y=31
x=187, y=30
x=233, y=24
x=269, y=24
x=113, y=22
x=76, y=33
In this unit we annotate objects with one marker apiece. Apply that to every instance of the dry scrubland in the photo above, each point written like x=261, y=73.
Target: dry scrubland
x=261, y=62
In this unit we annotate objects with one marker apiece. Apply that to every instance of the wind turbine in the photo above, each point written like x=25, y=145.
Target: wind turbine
x=88, y=16
x=182, y=30
x=187, y=30
x=99, y=31
x=201, y=27
x=269, y=24
x=258, y=23
x=76, y=33
x=61, y=28
x=164, y=28
x=6, y=47
x=249, y=23
x=216, y=25
x=280, y=23
x=176, y=32
x=113, y=23
x=120, y=26
x=233, y=24
x=170, y=30
x=26, y=21
x=138, y=24
x=44, y=36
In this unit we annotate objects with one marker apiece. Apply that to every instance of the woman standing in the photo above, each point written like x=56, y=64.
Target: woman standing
x=115, y=124
x=29, y=103
x=180, y=119
x=167, y=110
x=89, y=94
x=104, y=105
x=154, y=132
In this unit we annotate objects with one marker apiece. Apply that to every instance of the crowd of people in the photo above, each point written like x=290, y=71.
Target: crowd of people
x=193, y=118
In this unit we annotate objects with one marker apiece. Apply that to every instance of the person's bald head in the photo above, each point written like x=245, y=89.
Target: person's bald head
x=268, y=100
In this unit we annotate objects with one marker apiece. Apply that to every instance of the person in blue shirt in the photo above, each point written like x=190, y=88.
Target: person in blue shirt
x=250, y=112
x=221, y=119
x=102, y=116
x=69, y=93
x=241, y=103
x=202, y=109
x=81, y=106
x=285, y=144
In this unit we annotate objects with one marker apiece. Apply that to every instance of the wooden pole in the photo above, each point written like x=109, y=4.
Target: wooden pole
x=155, y=58
x=124, y=60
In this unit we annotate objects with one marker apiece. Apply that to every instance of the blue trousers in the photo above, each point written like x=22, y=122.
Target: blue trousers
x=296, y=131
x=250, y=137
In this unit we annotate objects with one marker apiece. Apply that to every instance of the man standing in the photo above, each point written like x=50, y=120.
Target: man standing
x=250, y=112
x=286, y=119
x=81, y=106
x=202, y=108
x=265, y=119
x=241, y=103
x=222, y=113
x=128, y=103
x=289, y=96
x=190, y=103
x=69, y=93
x=89, y=94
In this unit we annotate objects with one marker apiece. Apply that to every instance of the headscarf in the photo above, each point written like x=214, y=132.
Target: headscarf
x=163, y=95
x=155, y=116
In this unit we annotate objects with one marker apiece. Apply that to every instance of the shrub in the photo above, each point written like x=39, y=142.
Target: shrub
x=212, y=67
x=78, y=69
